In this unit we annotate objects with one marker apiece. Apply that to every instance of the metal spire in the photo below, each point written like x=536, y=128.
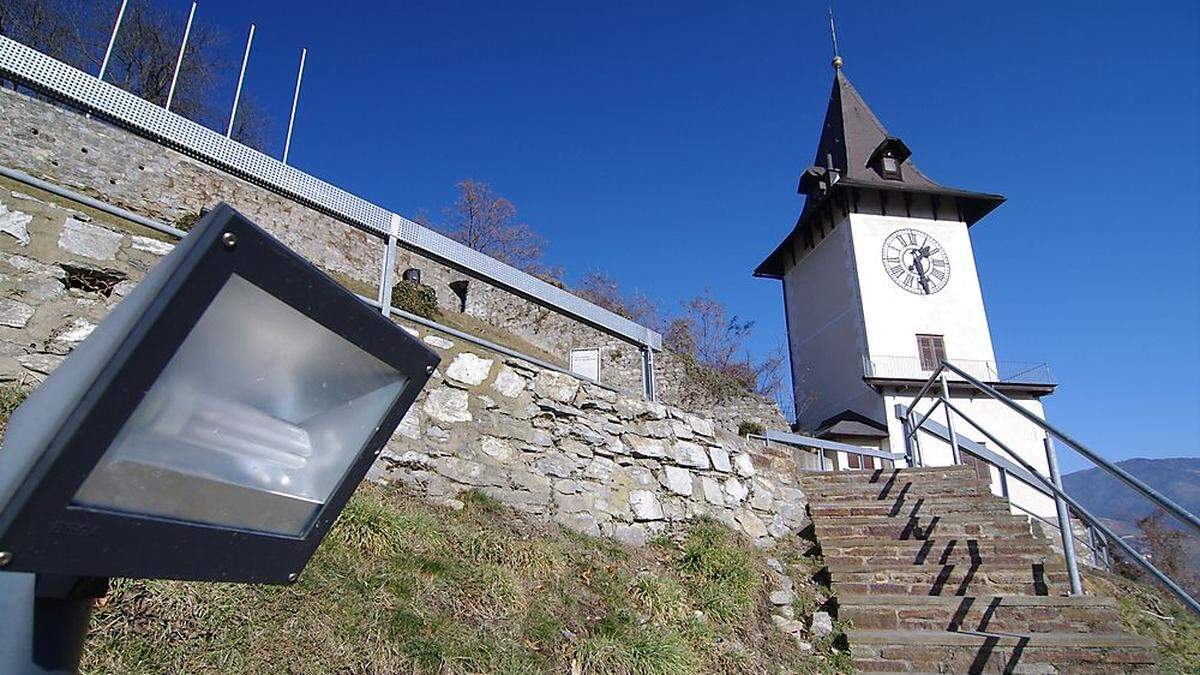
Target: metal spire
x=837, y=58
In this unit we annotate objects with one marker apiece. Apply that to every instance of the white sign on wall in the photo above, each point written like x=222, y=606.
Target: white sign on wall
x=586, y=362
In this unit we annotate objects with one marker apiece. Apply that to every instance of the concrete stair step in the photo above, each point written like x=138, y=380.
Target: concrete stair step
x=902, y=530
x=908, y=507
x=928, y=519
x=950, y=580
x=884, y=475
x=875, y=494
x=937, y=549
x=876, y=651
x=892, y=561
x=1001, y=613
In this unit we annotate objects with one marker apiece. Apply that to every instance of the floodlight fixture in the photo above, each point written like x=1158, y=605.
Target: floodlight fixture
x=211, y=428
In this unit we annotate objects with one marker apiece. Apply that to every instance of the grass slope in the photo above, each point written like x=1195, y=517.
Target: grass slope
x=402, y=586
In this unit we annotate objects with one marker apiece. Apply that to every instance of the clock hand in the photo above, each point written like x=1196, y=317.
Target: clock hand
x=922, y=253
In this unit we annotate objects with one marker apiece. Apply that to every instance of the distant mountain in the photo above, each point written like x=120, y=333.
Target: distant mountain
x=1109, y=499
x=1121, y=508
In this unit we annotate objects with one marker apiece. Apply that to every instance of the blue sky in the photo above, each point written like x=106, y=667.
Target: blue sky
x=661, y=142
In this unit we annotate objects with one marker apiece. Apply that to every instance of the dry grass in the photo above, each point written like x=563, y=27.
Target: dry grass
x=401, y=586
x=11, y=396
x=1153, y=613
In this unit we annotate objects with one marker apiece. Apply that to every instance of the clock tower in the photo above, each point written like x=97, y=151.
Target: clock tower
x=880, y=285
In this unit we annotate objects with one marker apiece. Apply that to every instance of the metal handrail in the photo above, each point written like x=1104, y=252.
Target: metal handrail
x=820, y=445
x=1016, y=468
x=1052, y=485
x=1159, y=499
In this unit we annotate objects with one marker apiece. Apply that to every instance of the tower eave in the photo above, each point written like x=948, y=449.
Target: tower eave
x=974, y=207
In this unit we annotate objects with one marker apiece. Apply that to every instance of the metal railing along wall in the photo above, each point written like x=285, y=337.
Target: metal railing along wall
x=1065, y=504
x=911, y=368
x=820, y=446
x=59, y=80
x=119, y=212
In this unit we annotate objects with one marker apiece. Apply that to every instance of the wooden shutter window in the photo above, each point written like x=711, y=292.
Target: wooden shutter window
x=932, y=351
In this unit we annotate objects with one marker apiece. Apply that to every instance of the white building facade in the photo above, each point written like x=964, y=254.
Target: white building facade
x=880, y=285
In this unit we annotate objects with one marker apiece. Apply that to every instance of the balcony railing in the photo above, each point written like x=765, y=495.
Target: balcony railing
x=994, y=372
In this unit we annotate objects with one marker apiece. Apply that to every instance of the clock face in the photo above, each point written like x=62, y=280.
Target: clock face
x=916, y=261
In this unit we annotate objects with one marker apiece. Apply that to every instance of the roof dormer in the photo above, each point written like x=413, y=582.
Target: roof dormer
x=888, y=158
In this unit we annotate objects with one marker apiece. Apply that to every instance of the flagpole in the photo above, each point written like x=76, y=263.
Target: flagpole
x=112, y=40
x=241, y=77
x=295, y=99
x=179, y=61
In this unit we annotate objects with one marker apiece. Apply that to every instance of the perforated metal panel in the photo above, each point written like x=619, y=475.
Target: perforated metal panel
x=74, y=86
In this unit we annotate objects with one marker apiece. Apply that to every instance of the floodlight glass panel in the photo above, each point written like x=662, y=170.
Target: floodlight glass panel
x=252, y=424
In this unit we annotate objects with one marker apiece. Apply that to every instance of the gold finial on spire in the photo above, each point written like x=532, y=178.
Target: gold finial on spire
x=837, y=58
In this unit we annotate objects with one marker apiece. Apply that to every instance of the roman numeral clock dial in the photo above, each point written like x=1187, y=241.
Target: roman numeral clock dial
x=916, y=261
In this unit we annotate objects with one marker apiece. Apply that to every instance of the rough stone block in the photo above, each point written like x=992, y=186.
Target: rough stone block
x=712, y=491
x=153, y=246
x=13, y=223
x=89, y=241
x=645, y=505
x=678, y=480
x=744, y=465
x=438, y=342
x=720, y=459
x=555, y=386
x=645, y=447
x=448, y=405
x=469, y=369
x=735, y=492
x=498, y=449
x=752, y=524
x=14, y=314
x=691, y=454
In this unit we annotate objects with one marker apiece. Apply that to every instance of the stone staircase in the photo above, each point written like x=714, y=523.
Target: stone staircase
x=934, y=574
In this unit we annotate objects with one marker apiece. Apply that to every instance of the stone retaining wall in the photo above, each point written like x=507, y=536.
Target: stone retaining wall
x=124, y=169
x=537, y=439
x=582, y=455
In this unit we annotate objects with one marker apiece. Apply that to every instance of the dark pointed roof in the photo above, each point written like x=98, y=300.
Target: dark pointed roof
x=851, y=139
x=852, y=133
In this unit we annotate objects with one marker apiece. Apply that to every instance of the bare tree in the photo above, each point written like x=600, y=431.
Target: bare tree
x=143, y=58
x=708, y=333
x=601, y=289
x=49, y=26
x=252, y=125
x=483, y=220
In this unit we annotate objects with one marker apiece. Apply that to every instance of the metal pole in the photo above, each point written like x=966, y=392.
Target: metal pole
x=1004, y=484
x=241, y=77
x=950, y=422
x=295, y=99
x=648, y=374
x=387, y=275
x=179, y=61
x=918, y=460
x=41, y=635
x=1117, y=472
x=1092, y=541
x=1064, y=519
x=112, y=40
x=1107, y=534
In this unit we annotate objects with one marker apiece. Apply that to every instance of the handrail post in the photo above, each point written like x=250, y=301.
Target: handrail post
x=1064, y=519
x=1004, y=484
x=1092, y=541
x=950, y=422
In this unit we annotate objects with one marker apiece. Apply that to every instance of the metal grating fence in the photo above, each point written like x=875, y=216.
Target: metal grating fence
x=59, y=80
